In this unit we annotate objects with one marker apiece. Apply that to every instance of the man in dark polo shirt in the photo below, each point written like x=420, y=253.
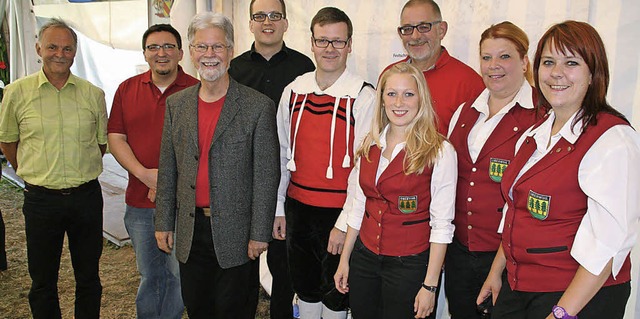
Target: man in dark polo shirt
x=268, y=67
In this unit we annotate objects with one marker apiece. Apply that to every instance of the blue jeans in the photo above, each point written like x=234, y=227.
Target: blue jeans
x=159, y=291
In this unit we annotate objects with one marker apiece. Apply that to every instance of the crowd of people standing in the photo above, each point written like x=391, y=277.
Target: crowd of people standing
x=519, y=183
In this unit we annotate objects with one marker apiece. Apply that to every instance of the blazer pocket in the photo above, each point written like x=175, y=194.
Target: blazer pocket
x=413, y=222
x=547, y=250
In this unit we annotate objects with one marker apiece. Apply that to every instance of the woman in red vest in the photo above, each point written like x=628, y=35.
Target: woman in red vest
x=572, y=191
x=400, y=213
x=484, y=132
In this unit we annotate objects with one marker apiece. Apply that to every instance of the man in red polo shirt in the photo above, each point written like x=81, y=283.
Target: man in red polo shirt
x=450, y=81
x=135, y=131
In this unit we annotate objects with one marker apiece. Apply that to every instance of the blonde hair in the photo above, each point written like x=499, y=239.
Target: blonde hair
x=423, y=142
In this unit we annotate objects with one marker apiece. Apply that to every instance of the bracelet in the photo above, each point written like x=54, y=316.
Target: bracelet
x=430, y=288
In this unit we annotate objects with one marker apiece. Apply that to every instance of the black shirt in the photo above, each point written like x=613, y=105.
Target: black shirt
x=270, y=77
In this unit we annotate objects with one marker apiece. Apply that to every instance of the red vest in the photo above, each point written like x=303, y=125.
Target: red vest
x=396, y=218
x=309, y=183
x=479, y=202
x=545, y=213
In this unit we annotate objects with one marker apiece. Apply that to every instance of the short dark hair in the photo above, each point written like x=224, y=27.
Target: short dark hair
x=284, y=9
x=58, y=23
x=163, y=27
x=330, y=15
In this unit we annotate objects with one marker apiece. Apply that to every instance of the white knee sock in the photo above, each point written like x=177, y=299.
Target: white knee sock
x=330, y=314
x=309, y=310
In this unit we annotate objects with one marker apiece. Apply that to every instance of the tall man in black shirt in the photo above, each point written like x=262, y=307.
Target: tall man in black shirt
x=268, y=67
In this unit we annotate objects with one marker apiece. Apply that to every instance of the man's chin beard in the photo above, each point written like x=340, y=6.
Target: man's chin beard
x=213, y=75
x=163, y=72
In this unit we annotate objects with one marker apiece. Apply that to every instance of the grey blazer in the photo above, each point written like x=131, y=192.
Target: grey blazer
x=244, y=172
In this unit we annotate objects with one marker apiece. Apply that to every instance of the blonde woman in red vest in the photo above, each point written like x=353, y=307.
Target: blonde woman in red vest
x=572, y=191
x=400, y=212
x=484, y=132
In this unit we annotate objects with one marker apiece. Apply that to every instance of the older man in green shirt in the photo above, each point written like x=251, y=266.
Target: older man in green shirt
x=53, y=131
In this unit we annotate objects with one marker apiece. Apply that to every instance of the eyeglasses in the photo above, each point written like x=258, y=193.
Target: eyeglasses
x=324, y=43
x=156, y=47
x=273, y=16
x=424, y=27
x=202, y=48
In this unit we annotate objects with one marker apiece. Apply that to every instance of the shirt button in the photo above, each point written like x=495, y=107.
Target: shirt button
x=469, y=227
x=472, y=183
x=474, y=169
x=469, y=213
x=469, y=199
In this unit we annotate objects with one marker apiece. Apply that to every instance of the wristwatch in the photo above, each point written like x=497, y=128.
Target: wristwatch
x=430, y=288
x=560, y=313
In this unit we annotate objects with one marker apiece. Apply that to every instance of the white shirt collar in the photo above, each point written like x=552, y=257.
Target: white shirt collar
x=348, y=84
x=523, y=98
x=569, y=132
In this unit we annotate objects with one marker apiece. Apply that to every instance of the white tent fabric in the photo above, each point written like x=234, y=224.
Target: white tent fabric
x=22, y=37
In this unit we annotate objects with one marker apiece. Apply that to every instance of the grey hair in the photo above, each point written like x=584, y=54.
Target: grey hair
x=207, y=20
x=57, y=23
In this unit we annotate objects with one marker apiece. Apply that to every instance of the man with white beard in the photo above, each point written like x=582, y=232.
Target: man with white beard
x=217, y=179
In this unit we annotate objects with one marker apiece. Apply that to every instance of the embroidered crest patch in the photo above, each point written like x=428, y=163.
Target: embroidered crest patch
x=496, y=168
x=408, y=204
x=538, y=205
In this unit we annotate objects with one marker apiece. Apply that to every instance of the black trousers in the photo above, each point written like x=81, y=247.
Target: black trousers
x=281, y=290
x=48, y=216
x=385, y=287
x=464, y=273
x=3, y=251
x=609, y=302
x=311, y=266
x=208, y=291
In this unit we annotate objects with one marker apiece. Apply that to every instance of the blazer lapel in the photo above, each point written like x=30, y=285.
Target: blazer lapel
x=190, y=109
x=229, y=110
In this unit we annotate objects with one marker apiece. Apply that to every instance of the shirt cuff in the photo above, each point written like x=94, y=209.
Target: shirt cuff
x=279, y=209
x=341, y=223
x=593, y=255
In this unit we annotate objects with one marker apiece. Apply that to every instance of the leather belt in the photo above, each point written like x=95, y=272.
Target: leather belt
x=204, y=211
x=63, y=191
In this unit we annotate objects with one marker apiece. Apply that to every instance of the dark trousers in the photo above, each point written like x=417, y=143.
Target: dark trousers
x=281, y=290
x=280, y=305
x=311, y=266
x=385, y=286
x=48, y=216
x=3, y=251
x=609, y=302
x=208, y=291
x=464, y=273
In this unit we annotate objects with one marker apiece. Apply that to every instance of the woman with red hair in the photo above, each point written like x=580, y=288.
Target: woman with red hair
x=572, y=191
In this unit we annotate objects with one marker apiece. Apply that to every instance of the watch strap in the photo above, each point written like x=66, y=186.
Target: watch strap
x=430, y=288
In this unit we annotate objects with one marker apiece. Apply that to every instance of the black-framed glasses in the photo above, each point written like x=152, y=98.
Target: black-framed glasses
x=202, y=48
x=156, y=47
x=273, y=16
x=337, y=44
x=424, y=27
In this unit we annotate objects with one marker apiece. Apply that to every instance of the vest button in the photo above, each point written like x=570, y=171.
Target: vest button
x=472, y=183
x=469, y=199
x=378, y=224
x=470, y=227
x=379, y=212
x=515, y=129
x=469, y=213
x=474, y=169
x=378, y=237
